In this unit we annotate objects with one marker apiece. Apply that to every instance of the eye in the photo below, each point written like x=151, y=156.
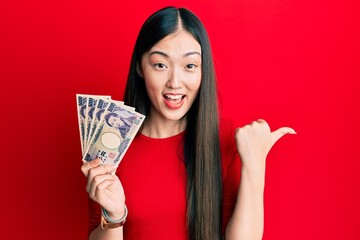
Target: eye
x=160, y=66
x=190, y=66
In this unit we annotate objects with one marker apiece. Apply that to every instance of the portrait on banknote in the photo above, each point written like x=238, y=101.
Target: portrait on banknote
x=112, y=127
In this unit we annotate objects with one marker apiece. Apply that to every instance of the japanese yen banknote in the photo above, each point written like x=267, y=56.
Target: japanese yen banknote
x=107, y=127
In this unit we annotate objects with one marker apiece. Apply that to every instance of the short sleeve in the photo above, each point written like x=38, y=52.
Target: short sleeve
x=231, y=166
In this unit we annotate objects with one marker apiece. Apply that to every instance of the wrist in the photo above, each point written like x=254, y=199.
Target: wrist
x=254, y=175
x=116, y=215
x=254, y=166
x=107, y=222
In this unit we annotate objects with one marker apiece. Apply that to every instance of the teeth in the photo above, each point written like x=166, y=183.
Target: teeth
x=173, y=97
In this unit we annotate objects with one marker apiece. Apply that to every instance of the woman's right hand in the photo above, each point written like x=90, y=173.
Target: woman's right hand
x=104, y=187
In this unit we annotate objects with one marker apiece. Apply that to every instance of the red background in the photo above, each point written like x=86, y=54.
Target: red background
x=290, y=62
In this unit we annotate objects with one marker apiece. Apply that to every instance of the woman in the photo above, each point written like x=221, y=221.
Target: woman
x=181, y=174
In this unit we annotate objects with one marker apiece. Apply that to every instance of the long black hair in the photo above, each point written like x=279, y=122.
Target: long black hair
x=201, y=147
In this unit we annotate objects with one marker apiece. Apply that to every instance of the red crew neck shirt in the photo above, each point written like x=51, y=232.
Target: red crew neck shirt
x=153, y=176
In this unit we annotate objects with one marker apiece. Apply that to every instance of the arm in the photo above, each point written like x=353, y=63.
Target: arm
x=248, y=216
x=106, y=190
x=253, y=143
x=109, y=234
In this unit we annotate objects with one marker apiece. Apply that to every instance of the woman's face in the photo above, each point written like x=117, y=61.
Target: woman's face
x=172, y=73
x=115, y=121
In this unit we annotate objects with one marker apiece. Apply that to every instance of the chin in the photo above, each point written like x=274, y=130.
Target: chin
x=175, y=116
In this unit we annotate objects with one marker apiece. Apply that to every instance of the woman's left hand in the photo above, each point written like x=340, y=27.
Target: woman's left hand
x=255, y=140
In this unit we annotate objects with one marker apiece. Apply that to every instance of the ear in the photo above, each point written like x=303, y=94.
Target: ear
x=139, y=70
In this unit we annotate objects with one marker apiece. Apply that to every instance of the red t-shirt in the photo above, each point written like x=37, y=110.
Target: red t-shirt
x=153, y=175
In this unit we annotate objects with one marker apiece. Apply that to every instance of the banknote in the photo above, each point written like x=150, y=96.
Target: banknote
x=114, y=133
x=90, y=106
x=81, y=100
x=91, y=112
x=99, y=110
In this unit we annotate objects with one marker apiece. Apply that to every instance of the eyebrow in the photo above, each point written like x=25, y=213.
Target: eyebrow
x=167, y=56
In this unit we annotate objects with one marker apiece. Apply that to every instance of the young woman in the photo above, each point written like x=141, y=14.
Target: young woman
x=181, y=176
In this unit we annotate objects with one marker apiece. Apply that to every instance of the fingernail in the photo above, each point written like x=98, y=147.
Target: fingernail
x=293, y=132
x=113, y=167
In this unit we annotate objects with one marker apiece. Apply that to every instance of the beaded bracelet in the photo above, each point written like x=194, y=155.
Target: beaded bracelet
x=108, y=218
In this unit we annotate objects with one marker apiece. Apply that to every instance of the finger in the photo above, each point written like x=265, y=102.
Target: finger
x=277, y=134
x=88, y=165
x=97, y=181
x=101, y=194
x=257, y=121
x=260, y=120
x=104, y=185
x=100, y=170
x=97, y=193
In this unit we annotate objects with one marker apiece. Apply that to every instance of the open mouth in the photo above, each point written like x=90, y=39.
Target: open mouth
x=174, y=101
x=174, y=98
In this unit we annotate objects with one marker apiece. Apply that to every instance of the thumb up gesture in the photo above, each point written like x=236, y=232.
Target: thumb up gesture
x=255, y=140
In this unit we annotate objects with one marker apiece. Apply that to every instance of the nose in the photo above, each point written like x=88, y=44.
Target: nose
x=174, y=80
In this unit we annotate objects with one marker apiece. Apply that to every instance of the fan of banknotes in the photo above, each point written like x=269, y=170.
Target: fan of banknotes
x=107, y=127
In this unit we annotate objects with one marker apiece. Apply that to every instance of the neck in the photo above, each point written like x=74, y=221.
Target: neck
x=160, y=128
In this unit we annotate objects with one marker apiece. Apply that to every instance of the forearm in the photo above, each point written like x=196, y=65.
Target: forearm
x=247, y=221
x=109, y=234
